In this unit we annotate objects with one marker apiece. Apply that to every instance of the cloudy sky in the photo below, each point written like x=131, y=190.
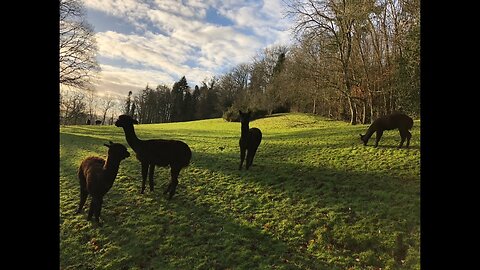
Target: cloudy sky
x=159, y=41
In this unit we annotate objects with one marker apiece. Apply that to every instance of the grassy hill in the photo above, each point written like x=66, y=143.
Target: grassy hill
x=315, y=198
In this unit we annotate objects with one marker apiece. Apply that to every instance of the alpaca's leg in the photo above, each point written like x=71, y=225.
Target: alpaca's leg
x=250, y=156
x=242, y=157
x=378, y=137
x=93, y=207
x=83, y=190
x=83, y=199
x=409, y=136
x=144, y=175
x=174, y=182
x=150, y=176
x=98, y=209
x=248, y=159
x=403, y=135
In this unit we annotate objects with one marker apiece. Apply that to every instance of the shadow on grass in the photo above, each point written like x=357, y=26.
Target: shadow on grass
x=303, y=180
x=88, y=142
x=274, y=115
x=371, y=198
x=413, y=147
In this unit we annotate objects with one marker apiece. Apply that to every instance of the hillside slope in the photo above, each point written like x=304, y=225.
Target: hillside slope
x=315, y=198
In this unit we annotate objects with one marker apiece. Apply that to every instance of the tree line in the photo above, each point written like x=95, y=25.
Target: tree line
x=353, y=60
x=85, y=107
x=179, y=103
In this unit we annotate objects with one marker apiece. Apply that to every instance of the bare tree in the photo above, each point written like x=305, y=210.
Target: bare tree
x=78, y=64
x=108, y=103
x=115, y=111
x=73, y=107
x=335, y=20
x=92, y=105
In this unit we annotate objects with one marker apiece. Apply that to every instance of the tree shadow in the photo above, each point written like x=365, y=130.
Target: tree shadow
x=274, y=115
x=413, y=147
x=297, y=178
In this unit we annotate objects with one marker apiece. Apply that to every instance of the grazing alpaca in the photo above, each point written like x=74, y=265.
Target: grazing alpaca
x=249, y=140
x=97, y=175
x=158, y=152
x=389, y=122
x=98, y=122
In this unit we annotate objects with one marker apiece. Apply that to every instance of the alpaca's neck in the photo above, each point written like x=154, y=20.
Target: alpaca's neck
x=370, y=132
x=111, y=169
x=244, y=130
x=131, y=137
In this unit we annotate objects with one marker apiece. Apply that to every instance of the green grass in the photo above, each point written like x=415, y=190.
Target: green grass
x=315, y=198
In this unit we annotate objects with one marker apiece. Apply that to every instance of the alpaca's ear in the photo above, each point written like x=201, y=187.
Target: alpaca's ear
x=110, y=142
x=361, y=136
x=135, y=121
x=240, y=112
x=106, y=145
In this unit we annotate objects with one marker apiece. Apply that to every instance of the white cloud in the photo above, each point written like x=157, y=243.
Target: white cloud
x=275, y=8
x=194, y=9
x=247, y=16
x=120, y=80
x=118, y=8
x=149, y=50
x=131, y=79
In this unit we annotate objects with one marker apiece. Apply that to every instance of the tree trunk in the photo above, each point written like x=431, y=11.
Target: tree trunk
x=385, y=104
x=370, y=96
x=353, y=111
x=364, y=112
x=392, y=102
x=104, y=117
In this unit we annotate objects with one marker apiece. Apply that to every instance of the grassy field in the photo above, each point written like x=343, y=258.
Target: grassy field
x=315, y=198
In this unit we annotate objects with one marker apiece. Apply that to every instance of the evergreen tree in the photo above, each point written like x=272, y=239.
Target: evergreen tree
x=178, y=91
x=188, y=106
x=195, y=101
x=132, y=112
x=128, y=102
x=208, y=103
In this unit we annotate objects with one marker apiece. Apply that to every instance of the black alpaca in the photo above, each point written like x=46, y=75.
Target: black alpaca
x=158, y=152
x=96, y=176
x=389, y=122
x=249, y=140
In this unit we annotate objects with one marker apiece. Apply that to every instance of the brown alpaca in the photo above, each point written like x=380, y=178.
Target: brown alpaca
x=158, y=152
x=389, y=122
x=97, y=175
x=249, y=140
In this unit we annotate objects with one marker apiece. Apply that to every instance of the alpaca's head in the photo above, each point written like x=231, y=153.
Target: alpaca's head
x=244, y=117
x=364, y=139
x=117, y=150
x=125, y=120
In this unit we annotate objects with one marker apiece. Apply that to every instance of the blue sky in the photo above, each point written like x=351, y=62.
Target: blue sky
x=158, y=41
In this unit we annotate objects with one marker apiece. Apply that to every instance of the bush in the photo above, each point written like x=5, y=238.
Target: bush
x=232, y=115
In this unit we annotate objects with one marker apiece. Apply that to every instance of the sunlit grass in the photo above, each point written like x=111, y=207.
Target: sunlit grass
x=315, y=198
